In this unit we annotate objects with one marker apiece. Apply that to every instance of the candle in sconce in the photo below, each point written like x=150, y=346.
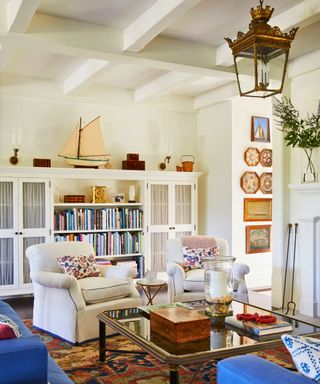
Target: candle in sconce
x=218, y=283
x=16, y=139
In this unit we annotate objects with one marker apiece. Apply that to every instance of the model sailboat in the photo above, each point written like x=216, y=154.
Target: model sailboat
x=85, y=146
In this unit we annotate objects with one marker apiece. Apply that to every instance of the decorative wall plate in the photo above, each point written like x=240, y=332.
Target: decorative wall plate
x=266, y=157
x=250, y=182
x=266, y=182
x=251, y=156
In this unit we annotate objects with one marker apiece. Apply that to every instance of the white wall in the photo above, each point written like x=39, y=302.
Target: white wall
x=215, y=185
x=224, y=133
x=46, y=124
x=242, y=111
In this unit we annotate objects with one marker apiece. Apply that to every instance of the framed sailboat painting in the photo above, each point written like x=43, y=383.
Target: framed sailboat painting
x=260, y=129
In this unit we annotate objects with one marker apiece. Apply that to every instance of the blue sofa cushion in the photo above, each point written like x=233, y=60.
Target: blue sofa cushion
x=251, y=369
x=25, y=360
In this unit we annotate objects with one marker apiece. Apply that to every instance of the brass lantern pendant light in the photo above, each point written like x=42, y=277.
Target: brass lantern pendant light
x=261, y=55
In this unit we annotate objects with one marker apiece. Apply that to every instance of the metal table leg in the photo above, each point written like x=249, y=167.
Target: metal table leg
x=174, y=374
x=102, y=342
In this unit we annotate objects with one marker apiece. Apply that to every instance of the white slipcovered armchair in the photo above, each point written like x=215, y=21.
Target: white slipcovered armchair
x=67, y=307
x=188, y=286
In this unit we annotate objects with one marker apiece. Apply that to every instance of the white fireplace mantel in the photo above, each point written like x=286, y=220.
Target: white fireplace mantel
x=307, y=187
x=305, y=210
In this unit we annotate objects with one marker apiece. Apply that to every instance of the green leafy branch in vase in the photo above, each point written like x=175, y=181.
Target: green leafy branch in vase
x=301, y=133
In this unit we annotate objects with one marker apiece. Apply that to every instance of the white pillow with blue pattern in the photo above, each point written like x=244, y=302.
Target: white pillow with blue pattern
x=305, y=353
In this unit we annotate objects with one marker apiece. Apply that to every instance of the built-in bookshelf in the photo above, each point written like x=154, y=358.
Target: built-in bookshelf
x=115, y=230
x=132, y=233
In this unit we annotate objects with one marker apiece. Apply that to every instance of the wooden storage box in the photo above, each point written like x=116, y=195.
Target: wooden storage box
x=42, y=163
x=132, y=156
x=74, y=198
x=180, y=348
x=138, y=165
x=180, y=325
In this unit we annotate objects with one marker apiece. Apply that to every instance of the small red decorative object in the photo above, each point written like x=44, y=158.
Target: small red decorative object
x=256, y=318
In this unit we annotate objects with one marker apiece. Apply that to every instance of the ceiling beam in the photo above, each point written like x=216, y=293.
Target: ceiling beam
x=20, y=14
x=78, y=39
x=216, y=95
x=161, y=85
x=304, y=64
x=83, y=75
x=302, y=15
x=153, y=21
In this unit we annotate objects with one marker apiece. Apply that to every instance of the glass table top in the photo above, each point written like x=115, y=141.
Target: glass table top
x=135, y=322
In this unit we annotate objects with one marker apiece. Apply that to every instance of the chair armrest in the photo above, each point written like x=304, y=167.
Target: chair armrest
x=23, y=360
x=239, y=271
x=54, y=279
x=60, y=281
x=175, y=269
x=176, y=278
x=125, y=272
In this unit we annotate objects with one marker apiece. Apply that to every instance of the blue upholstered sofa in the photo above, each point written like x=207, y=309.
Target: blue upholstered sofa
x=251, y=369
x=25, y=360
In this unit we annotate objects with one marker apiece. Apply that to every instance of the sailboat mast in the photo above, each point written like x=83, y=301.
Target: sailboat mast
x=79, y=134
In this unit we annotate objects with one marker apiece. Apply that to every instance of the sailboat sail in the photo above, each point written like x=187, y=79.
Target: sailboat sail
x=85, y=145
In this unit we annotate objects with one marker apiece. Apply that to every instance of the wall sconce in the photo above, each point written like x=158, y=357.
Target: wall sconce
x=165, y=162
x=16, y=144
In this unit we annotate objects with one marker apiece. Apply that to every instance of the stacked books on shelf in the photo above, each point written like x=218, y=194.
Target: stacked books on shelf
x=108, y=243
x=86, y=219
x=259, y=329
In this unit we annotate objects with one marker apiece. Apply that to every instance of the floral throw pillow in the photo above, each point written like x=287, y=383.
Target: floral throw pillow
x=193, y=258
x=79, y=266
x=8, y=328
x=305, y=353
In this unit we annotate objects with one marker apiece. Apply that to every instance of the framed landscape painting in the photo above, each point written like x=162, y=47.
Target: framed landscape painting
x=259, y=209
x=258, y=238
x=260, y=129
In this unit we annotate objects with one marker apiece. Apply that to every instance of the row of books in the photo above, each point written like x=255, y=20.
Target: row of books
x=110, y=243
x=79, y=219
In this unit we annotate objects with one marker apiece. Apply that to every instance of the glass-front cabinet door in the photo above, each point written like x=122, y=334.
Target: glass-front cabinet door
x=24, y=220
x=8, y=238
x=171, y=213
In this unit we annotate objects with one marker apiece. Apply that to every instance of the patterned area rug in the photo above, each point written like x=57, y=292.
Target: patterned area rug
x=81, y=363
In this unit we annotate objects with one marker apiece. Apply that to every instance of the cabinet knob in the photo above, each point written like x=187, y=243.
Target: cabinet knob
x=16, y=233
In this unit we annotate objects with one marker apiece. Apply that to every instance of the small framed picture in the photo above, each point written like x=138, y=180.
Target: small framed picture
x=257, y=209
x=118, y=198
x=258, y=238
x=260, y=129
x=99, y=194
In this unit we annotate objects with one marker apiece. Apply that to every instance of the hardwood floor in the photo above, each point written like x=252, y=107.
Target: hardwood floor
x=23, y=305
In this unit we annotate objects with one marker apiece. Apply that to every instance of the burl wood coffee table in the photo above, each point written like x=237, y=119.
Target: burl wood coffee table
x=133, y=323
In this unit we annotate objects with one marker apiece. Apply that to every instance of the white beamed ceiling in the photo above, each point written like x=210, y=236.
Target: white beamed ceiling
x=147, y=48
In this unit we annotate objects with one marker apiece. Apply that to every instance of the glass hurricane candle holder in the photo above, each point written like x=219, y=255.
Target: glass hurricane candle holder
x=218, y=285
